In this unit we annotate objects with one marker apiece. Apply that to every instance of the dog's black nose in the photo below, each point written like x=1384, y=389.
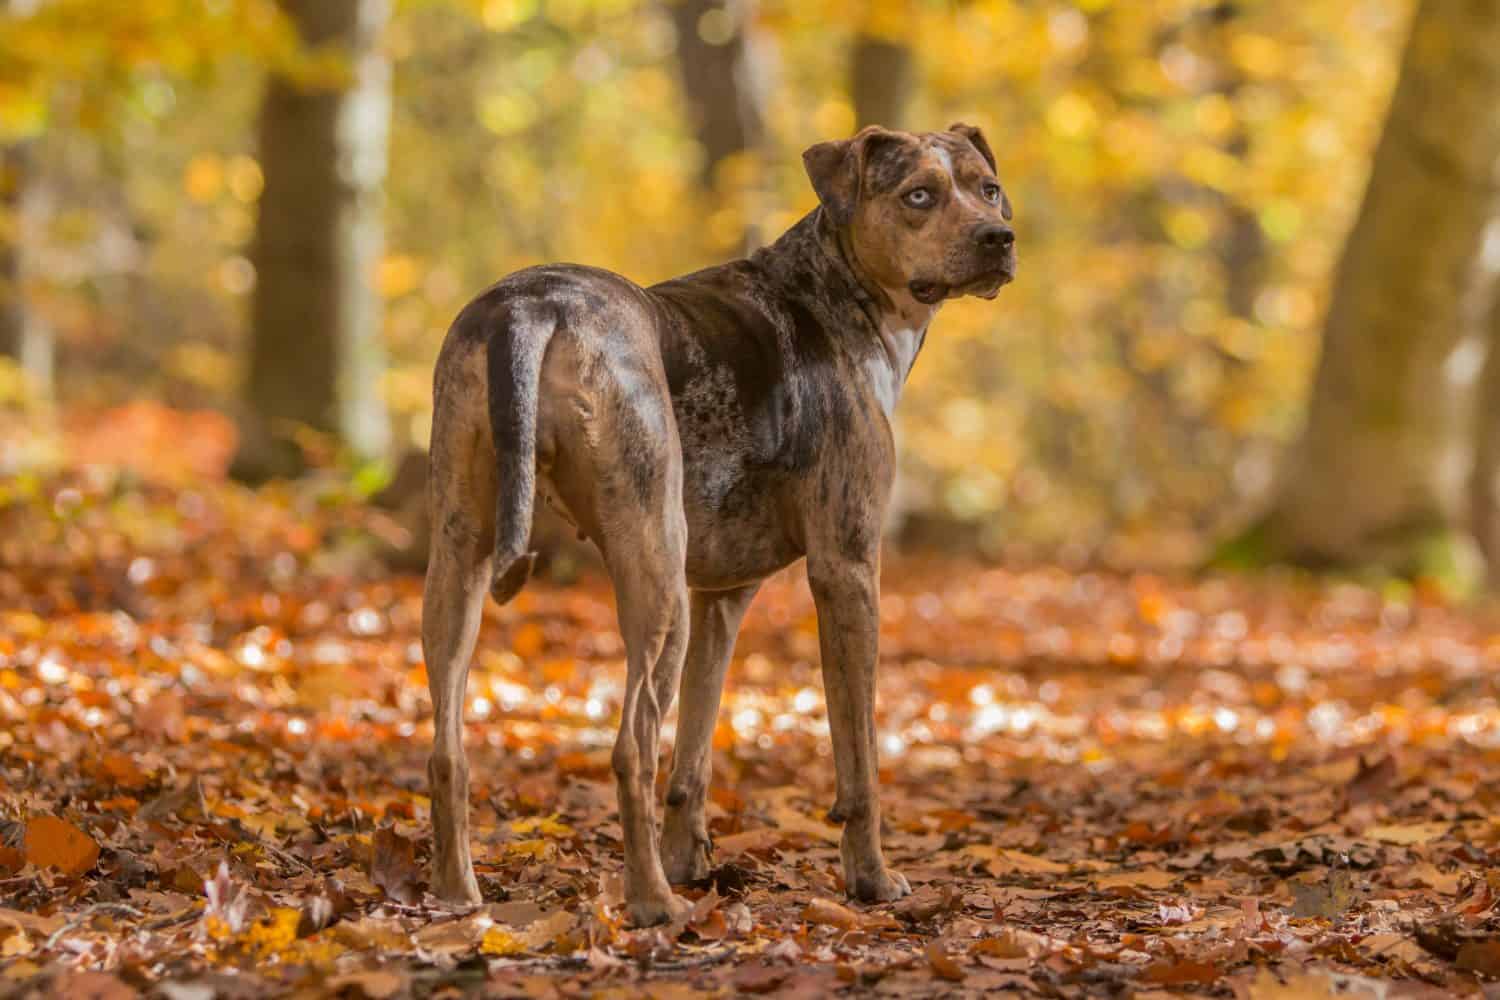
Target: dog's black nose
x=993, y=237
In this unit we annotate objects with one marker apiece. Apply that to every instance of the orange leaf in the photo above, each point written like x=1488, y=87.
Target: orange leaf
x=831, y=914
x=56, y=843
x=942, y=963
x=1181, y=973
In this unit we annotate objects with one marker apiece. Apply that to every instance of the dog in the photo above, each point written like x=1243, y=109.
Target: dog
x=704, y=433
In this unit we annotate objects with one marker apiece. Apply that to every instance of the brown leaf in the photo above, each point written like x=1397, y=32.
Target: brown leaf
x=927, y=902
x=759, y=978
x=827, y=913
x=376, y=984
x=91, y=986
x=393, y=866
x=1145, y=878
x=1372, y=780
x=1011, y=943
x=1408, y=833
x=1482, y=957
x=750, y=840
x=942, y=963
x=185, y=803
x=55, y=843
x=1181, y=973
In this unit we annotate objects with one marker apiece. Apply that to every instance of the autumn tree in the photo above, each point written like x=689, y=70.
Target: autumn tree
x=22, y=337
x=1484, y=481
x=316, y=358
x=725, y=102
x=1376, y=476
x=882, y=73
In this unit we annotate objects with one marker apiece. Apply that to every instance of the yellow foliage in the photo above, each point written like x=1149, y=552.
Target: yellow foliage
x=274, y=934
x=500, y=940
x=546, y=826
x=534, y=850
x=1160, y=160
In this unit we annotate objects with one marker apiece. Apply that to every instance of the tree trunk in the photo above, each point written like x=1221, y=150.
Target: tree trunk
x=316, y=357
x=22, y=337
x=725, y=107
x=1484, y=482
x=882, y=77
x=1378, y=473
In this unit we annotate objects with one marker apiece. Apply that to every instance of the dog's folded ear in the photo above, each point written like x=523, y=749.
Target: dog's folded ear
x=978, y=141
x=837, y=170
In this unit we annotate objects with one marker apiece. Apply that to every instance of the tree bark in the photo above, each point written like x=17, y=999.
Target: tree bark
x=724, y=105
x=1484, y=482
x=22, y=337
x=316, y=356
x=1378, y=472
x=883, y=76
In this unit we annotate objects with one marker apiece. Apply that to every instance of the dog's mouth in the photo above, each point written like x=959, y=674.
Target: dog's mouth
x=986, y=286
x=929, y=293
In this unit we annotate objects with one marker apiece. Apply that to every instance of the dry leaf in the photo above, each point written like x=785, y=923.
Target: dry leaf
x=376, y=984
x=55, y=843
x=827, y=913
x=1410, y=833
x=942, y=962
x=1145, y=878
x=393, y=866
x=1181, y=973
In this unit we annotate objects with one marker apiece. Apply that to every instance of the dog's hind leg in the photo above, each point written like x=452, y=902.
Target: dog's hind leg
x=461, y=500
x=647, y=568
x=618, y=469
x=716, y=617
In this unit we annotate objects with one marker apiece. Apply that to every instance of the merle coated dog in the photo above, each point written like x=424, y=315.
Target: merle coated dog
x=704, y=433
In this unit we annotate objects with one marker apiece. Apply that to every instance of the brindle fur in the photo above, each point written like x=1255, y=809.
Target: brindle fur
x=704, y=433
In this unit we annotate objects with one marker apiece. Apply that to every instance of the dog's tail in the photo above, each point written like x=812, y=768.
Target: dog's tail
x=515, y=352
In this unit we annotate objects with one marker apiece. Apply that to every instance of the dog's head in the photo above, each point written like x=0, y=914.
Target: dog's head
x=925, y=214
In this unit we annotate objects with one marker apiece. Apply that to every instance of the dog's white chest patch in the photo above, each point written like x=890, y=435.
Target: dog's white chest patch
x=888, y=372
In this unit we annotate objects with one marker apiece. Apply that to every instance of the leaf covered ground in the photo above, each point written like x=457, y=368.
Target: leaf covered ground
x=215, y=724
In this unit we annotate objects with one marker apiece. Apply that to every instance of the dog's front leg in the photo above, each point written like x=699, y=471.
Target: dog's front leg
x=847, y=594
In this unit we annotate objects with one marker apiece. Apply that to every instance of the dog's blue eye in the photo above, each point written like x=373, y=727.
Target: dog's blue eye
x=918, y=197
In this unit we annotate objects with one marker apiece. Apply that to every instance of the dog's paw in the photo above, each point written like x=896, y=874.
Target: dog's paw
x=652, y=911
x=454, y=889
x=879, y=887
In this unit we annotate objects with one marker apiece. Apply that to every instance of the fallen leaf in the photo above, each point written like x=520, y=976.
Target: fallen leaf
x=759, y=839
x=1411, y=833
x=1001, y=860
x=499, y=940
x=1329, y=898
x=1181, y=973
x=1145, y=878
x=759, y=978
x=393, y=866
x=91, y=986
x=942, y=962
x=55, y=843
x=827, y=913
x=376, y=984
x=1482, y=957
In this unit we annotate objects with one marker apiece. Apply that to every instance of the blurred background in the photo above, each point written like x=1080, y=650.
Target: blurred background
x=233, y=234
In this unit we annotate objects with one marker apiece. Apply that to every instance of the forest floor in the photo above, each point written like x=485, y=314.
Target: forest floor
x=215, y=725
